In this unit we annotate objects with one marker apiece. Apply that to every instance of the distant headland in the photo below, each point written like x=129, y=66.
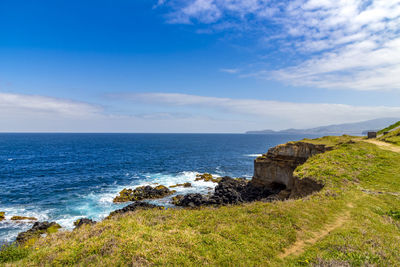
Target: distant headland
x=357, y=128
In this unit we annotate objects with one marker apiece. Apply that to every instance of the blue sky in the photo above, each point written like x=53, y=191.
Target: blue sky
x=196, y=65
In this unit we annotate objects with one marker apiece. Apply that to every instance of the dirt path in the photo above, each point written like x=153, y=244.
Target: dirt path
x=383, y=145
x=300, y=245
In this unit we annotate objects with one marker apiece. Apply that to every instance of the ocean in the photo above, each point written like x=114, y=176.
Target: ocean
x=64, y=177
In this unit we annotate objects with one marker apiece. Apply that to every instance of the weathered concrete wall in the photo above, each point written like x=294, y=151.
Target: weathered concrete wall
x=277, y=166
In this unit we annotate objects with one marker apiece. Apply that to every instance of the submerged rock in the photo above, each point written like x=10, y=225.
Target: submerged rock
x=84, y=221
x=37, y=230
x=23, y=218
x=207, y=177
x=133, y=207
x=2, y=215
x=142, y=193
x=184, y=185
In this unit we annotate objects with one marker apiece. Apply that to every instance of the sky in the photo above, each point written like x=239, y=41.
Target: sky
x=196, y=66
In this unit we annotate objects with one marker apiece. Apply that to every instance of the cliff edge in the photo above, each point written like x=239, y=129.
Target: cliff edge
x=276, y=167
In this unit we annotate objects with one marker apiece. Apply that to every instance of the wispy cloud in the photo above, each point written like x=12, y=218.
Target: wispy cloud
x=349, y=44
x=20, y=104
x=286, y=113
x=31, y=113
x=191, y=113
x=35, y=113
x=231, y=71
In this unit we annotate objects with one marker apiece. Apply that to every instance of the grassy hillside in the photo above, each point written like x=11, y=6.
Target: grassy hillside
x=392, y=137
x=391, y=127
x=354, y=220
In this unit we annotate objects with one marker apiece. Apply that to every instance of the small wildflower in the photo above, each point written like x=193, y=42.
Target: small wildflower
x=37, y=248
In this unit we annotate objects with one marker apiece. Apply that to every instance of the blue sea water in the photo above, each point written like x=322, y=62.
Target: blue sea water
x=63, y=177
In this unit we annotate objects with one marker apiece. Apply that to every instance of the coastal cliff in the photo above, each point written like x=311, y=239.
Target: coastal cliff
x=276, y=167
x=273, y=179
x=353, y=219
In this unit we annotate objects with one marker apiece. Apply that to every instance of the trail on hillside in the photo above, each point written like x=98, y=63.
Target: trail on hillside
x=384, y=145
x=392, y=130
x=300, y=245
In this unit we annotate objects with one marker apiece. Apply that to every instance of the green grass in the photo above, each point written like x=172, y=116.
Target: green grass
x=9, y=253
x=392, y=137
x=395, y=214
x=359, y=181
x=330, y=141
x=397, y=124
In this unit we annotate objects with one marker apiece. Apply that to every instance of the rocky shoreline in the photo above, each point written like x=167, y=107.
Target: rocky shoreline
x=273, y=180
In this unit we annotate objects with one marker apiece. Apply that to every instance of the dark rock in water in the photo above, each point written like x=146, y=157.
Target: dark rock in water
x=177, y=199
x=143, y=192
x=207, y=177
x=192, y=200
x=37, y=230
x=133, y=207
x=228, y=191
x=2, y=216
x=84, y=221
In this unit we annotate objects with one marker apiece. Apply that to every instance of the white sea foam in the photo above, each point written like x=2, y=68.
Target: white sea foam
x=253, y=155
x=97, y=205
x=23, y=211
x=15, y=227
x=105, y=199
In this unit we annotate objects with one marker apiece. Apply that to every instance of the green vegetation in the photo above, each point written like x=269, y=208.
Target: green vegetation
x=392, y=137
x=391, y=127
x=394, y=214
x=353, y=220
x=10, y=253
x=330, y=141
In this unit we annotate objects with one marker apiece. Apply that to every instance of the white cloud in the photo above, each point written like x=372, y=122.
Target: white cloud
x=34, y=113
x=283, y=114
x=191, y=113
x=31, y=113
x=206, y=11
x=19, y=104
x=349, y=44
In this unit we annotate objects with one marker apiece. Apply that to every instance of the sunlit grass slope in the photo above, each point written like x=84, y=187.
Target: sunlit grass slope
x=391, y=127
x=392, y=137
x=354, y=221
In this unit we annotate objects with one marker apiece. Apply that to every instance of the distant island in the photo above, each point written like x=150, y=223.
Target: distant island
x=357, y=128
